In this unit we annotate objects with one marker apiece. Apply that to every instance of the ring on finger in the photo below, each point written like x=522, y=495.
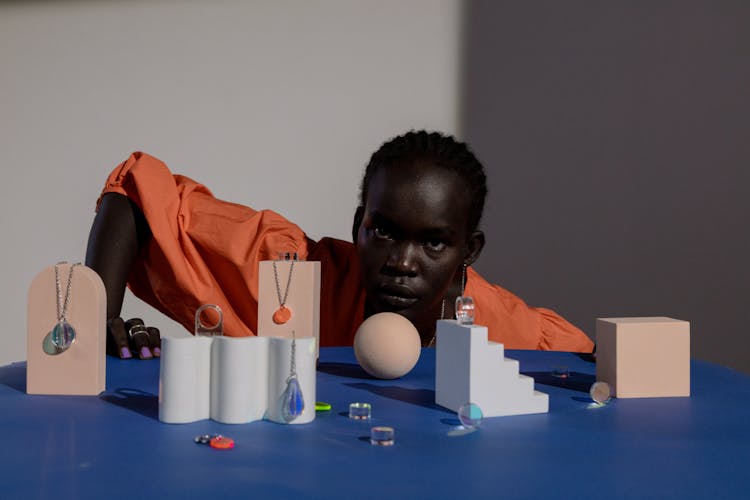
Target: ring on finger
x=137, y=330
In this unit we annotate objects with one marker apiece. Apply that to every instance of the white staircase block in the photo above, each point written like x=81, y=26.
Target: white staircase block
x=470, y=368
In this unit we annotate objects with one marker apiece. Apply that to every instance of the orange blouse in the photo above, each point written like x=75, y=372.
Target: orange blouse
x=206, y=251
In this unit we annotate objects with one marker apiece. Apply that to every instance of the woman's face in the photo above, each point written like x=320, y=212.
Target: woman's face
x=412, y=240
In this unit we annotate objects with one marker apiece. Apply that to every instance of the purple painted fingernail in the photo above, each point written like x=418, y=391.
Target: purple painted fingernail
x=156, y=351
x=146, y=353
x=125, y=353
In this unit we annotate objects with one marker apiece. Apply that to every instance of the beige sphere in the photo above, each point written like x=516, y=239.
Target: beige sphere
x=387, y=345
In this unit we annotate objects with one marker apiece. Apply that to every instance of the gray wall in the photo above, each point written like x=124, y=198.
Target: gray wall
x=272, y=104
x=618, y=143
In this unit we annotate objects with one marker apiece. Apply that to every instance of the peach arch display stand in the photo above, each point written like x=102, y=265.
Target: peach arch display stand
x=79, y=370
x=470, y=368
x=303, y=299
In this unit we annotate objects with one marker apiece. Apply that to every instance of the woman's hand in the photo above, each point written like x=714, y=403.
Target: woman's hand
x=126, y=339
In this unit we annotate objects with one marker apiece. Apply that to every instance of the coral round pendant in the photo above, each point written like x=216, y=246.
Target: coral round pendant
x=282, y=315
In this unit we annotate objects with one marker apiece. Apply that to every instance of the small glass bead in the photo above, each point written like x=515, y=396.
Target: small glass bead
x=560, y=372
x=600, y=392
x=465, y=310
x=470, y=415
x=382, y=436
x=360, y=411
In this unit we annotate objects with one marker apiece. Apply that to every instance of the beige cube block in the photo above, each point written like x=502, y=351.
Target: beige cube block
x=643, y=357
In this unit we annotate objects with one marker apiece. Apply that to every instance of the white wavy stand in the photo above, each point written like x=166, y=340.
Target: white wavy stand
x=232, y=380
x=470, y=368
x=278, y=373
x=239, y=379
x=185, y=379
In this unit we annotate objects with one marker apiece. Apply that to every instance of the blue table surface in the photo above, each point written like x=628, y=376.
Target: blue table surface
x=113, y=445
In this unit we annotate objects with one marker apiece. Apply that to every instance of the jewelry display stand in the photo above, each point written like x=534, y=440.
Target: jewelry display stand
x=234, y=380
x=470, y=368
x=80, y=368
x=644, y=357
x=302, y=291
x=185, y=379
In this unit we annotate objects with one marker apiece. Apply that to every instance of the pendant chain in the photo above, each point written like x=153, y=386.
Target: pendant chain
x=442, y=316
x=62, y=304
x=282, y=301
x=293, y=362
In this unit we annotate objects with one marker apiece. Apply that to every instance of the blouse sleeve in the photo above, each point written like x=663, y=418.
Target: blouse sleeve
x=512, y=322
x=203, y=250
x=557, y=334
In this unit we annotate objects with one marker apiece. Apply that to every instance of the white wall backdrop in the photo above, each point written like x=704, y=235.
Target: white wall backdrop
x=272, y=104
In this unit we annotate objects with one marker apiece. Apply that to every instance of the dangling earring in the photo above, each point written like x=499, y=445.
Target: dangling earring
x=464, y=304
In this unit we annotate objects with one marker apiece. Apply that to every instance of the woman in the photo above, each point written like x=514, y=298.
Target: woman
x=415, y=236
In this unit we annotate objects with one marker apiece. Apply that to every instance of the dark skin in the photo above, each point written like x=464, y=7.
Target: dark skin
x=412, y=237
x=413, y=241
x=118, y=233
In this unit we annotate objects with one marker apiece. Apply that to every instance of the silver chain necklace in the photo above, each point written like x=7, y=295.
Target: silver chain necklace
x=292, y=401
x=283, y=313
x=63, y=333
x=442, y=316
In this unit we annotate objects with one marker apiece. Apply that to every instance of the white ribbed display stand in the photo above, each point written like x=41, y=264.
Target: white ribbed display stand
x=233, y=380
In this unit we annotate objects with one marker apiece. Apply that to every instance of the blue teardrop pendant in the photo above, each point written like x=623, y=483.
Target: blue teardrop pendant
x=293, y=403
x=63, y=335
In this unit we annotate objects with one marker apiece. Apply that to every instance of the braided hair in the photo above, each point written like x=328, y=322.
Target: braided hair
x=437, y=149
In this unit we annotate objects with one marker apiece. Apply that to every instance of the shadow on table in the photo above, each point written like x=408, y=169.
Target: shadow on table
x=14, y=376
x=145, y=403
x=350, y=370
x=575, y=381
x=419, y=397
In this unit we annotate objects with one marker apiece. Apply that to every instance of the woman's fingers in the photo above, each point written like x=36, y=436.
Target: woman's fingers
x=125, y=338
x=138, y=337
x=154, y=341
x=117, y=339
